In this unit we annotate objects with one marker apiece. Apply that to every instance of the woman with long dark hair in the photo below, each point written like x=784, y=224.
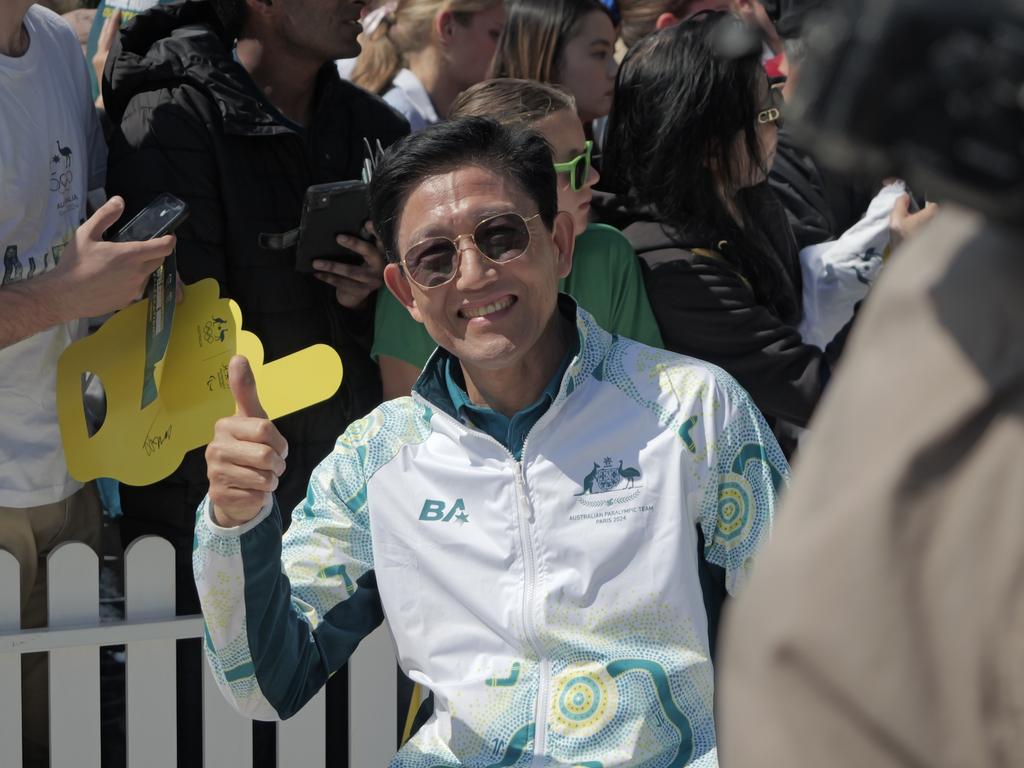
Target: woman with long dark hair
x=690, y=141
x=564, y=42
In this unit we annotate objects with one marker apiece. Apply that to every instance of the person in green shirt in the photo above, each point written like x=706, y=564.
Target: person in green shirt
x=605, y=279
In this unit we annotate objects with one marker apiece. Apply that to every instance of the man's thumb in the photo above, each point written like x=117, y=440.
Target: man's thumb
x=243, y=387
x=901, y=208
x=104, y=217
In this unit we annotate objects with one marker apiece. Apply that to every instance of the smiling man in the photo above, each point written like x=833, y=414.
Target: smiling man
x=527, y=519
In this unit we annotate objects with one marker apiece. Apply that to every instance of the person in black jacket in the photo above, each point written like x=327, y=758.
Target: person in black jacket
x=690, y=140
x=237, y=108
x=821, y=203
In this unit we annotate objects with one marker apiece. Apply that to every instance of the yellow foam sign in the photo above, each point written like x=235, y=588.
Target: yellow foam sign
x=139, y=447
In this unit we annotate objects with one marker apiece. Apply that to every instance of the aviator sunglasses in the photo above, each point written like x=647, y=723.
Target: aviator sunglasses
x=433, y=262
x=578, y=168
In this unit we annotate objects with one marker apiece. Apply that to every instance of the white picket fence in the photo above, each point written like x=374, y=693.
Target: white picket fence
x=149, y=631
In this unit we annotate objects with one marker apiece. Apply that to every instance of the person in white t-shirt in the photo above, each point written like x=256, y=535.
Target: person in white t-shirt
x=56, y=270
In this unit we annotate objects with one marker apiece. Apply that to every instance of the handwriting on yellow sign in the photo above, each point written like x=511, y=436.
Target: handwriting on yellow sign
x=139, y=447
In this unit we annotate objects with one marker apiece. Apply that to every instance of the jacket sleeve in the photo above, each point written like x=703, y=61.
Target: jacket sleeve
x=706, y=310
x=281, y=617
x=162, y=145
x=745, y=472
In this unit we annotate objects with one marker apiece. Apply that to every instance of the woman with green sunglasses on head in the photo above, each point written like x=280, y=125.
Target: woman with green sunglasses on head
x=605, y=279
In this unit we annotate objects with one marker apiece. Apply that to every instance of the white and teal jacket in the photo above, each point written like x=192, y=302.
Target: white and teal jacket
x=551, y=604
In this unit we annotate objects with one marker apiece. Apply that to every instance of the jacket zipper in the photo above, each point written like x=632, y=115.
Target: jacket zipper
x=524, y=515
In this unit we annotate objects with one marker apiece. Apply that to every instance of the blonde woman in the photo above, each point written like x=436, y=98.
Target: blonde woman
x=420, y=54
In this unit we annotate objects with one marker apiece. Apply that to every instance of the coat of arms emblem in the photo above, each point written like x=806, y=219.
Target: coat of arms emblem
x=606, y=477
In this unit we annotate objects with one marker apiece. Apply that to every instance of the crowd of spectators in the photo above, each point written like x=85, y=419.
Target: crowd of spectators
x=587, y=216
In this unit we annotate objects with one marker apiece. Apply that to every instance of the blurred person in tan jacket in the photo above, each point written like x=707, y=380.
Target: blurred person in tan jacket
x=884, y=626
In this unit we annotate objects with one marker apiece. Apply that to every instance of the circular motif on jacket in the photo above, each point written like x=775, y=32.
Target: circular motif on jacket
x=586, y=699
x=735, y=507
x=362, y=431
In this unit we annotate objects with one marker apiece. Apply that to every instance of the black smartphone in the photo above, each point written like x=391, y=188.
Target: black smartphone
x=917, y=201
x=329, y=210
x=162, y=216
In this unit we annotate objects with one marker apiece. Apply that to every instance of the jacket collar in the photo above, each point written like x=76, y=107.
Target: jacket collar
x=594, y=344
x=410, y=85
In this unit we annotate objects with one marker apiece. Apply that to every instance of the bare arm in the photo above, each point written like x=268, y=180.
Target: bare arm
x=28, y=307
x=94, y=277
x=103, y=45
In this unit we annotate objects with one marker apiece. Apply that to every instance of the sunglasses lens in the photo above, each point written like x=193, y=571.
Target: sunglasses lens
x=577, y=175
x=431, y=262
x=502, y=238
x=578, y=168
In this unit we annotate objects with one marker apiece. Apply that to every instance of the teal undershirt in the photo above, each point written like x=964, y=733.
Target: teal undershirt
x=511, y=433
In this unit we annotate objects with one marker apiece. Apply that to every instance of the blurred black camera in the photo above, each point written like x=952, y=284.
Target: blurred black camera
x=930, y=90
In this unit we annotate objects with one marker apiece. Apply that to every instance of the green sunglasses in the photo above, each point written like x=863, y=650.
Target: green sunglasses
x=578, y=168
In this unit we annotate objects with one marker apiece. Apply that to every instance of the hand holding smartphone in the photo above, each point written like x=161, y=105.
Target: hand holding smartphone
x=329, y=210
x=162, y=216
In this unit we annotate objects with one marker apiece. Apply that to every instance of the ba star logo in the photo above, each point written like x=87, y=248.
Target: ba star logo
x=438, y=511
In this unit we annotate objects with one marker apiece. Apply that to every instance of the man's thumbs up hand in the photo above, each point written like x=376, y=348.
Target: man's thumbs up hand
x=243, y=388
x=246, y=457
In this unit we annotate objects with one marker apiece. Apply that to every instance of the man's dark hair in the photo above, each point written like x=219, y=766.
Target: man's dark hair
x=231, y=14
x=522, y=157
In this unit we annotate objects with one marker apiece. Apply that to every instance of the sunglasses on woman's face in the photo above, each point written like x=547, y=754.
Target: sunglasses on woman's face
x=433, y=262
x=772, y=114
x=578, y=168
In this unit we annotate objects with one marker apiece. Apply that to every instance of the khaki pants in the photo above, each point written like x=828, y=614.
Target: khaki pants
x=30, y=535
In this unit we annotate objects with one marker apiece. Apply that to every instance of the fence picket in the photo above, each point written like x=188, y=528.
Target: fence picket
x=150, y=665
x=73, y=595
x=301, y=739
x=372, y=700
x=227, y=736
x=73, y=639
x=10, y=663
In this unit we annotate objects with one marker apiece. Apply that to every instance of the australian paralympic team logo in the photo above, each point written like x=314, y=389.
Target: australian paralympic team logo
x=609, y=486
x=606, y=477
